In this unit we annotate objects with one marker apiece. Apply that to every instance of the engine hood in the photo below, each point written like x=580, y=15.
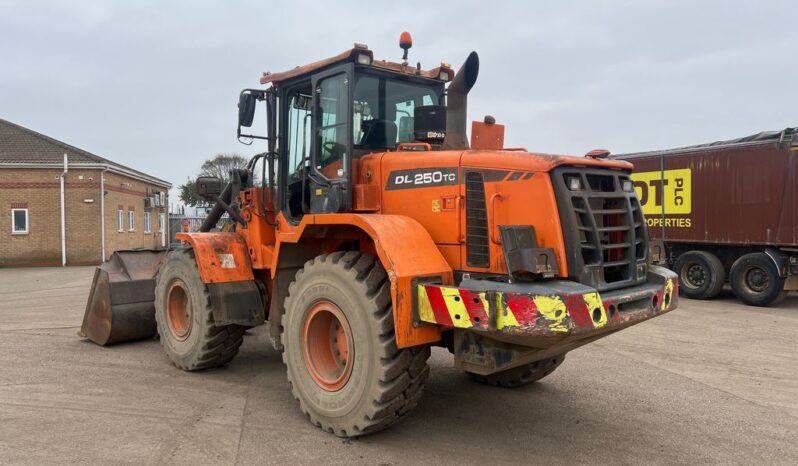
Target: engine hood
x=531, y=161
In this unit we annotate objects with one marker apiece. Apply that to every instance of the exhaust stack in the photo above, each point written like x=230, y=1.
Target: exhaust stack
x=457, y=103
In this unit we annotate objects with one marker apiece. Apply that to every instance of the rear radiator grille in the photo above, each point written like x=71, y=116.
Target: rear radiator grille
x=609, y=242
x=607, y=222
x=477, y=250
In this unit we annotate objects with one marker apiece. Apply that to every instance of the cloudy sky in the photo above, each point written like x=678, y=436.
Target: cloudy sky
x=154, y=84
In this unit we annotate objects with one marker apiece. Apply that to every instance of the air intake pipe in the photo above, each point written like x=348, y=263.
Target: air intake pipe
x=457, y=103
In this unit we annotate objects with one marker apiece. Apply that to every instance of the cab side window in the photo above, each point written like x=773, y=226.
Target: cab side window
x=331, y=125
x=298, y=134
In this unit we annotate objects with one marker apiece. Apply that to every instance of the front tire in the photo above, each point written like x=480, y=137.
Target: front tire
x=755, y=280
x=522, y=375
x=701, y=274
x=184, y=316
x=342, y=361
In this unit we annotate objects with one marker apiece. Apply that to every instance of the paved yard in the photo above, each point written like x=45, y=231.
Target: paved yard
x=713, y=382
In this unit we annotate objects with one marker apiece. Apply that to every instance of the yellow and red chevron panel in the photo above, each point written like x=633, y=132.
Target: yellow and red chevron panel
x=552, y=315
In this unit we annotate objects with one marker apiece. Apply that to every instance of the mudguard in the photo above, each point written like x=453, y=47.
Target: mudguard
x=221, y=257
x=407, y=252
x=224, y=265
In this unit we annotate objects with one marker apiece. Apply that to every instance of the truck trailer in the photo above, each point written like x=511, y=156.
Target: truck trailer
x=725, y=212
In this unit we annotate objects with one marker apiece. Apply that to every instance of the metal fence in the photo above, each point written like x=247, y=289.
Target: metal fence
x=178, y=223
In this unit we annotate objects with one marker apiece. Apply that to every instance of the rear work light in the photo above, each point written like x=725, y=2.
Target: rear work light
x=574, y=183
x=363, y=59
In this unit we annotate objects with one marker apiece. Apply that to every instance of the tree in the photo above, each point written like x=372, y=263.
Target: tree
x=220, y=167
x=188, y=194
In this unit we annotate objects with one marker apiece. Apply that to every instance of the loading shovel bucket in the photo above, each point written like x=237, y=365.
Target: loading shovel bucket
x=121, y=305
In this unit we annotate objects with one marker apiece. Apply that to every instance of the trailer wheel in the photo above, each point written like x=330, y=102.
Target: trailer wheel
x=340, y=349
x=184, y=316
x=523, y=375
x=756, y=281
x=701, y=274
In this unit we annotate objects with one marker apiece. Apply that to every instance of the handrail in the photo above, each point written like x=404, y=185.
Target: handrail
x=491, y=224
x=413, y=146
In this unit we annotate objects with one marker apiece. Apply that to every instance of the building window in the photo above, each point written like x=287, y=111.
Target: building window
x=120, y=220
x=131, y=221
x=160, y=222
x=147, y=223
x=19, y=221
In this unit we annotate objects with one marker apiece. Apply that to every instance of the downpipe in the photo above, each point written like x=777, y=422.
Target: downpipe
x=102, y=216
x=63, y=218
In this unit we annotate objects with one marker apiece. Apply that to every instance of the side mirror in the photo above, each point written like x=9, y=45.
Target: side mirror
x=246, y=108
x=208, y=187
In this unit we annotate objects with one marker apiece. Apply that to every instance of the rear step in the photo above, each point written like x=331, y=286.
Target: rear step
x=121, y=305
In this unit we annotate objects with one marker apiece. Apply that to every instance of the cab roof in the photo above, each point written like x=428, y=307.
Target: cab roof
x=351, y=55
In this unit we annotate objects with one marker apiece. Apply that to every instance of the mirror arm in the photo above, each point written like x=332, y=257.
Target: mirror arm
x=252, y=136
x=260, y=95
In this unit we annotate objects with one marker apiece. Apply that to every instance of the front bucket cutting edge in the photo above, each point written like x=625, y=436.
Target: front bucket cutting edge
x=121, y=305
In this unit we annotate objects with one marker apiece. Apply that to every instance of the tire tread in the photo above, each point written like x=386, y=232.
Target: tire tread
x=403, y=371
x=522, y=375
x=219, y=343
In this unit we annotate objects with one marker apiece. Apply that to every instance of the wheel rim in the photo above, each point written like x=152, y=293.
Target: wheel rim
x=178, y=311
x=757, y=279
x=694, y=275
x=328, y=346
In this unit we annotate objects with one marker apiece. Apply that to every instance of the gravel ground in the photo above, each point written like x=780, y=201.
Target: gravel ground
x=712, y=382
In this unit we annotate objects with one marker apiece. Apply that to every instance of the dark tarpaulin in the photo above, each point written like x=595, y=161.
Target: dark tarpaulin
x=786, y=134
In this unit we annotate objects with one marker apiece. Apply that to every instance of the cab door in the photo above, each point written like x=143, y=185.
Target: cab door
x=331, y=147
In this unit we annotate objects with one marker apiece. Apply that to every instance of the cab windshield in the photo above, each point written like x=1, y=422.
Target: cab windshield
x=383, y=110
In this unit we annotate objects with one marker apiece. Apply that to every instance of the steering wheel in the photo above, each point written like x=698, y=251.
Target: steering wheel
x=333, y=148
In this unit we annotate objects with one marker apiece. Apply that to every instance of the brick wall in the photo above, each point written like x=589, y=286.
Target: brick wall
x=39, y=191
x=129, y=194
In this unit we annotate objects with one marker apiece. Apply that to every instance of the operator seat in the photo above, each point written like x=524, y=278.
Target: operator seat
x=378, y=134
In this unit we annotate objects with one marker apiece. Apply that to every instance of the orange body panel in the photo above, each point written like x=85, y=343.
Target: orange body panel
x=424, y=204
x=487, y=136
x=367, y=198
x=331, y=171
x=259, y=234
x=221, y=257
x=527, y=200
x=522, y=160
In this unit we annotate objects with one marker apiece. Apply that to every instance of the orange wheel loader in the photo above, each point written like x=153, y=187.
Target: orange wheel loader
x=378, y=230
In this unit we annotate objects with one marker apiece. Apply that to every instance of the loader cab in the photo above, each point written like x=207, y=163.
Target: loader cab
x=330, y=116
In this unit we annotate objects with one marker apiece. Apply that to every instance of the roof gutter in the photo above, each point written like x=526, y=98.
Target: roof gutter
x=94, y=166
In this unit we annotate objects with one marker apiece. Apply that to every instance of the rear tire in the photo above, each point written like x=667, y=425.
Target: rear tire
x=755, y=280
x=522, y=375
x=701, y=274
x=341, y=357
x=189, y=336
